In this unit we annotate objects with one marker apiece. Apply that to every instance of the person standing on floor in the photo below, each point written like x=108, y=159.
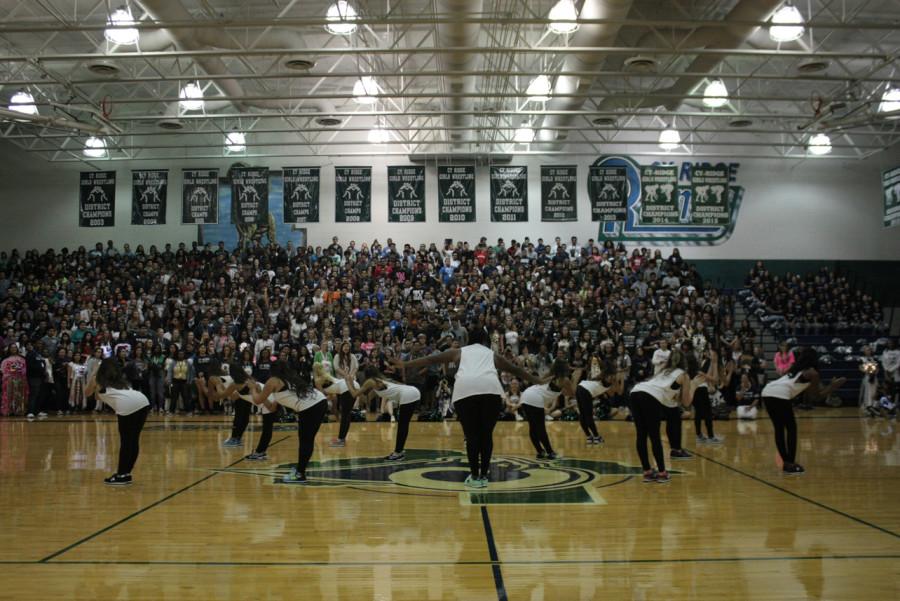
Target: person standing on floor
x=15, y=383
x=345, y=367
x=778, y=396
x=585, y=393
x=404, y=396
x=536, y=399
x=240, y=387
x=477, y=396
x=37, y=376
x=703, y=373
x=287, y=388
x=131, y=407
x=647, y=400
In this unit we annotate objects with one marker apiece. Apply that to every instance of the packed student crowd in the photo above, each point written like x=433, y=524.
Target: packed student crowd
x=174, y=316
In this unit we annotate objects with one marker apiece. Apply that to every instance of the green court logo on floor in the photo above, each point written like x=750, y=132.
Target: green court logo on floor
x=514, y=480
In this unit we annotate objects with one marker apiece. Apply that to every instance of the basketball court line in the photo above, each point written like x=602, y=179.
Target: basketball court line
x=142, y=510
x=492, y=552
x=799, y=496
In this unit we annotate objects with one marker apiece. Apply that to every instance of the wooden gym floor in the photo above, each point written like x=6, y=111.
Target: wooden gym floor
x=200, y=523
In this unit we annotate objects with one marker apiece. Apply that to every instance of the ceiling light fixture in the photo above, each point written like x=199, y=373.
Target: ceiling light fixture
x=819, y=144
x=95, y=148
x=539, y=89
x=716, y=94
x=787, y=24
x=365, y=90
x=890, y=101
x=191, y=97
x=378, y=135
x=122, y=37
x=669, y=139
x=524, y=135
x=23, y=102
x=341, y=14
x=235, y=141
x=563, y=16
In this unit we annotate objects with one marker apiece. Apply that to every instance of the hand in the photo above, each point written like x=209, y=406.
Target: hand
x=837, y=383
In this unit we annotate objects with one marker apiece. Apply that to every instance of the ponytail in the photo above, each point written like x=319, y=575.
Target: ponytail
x=292, y=380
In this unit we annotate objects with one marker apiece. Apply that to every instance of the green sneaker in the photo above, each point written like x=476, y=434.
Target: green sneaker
x=294, y=477
x=484, y=481
x=473, y=482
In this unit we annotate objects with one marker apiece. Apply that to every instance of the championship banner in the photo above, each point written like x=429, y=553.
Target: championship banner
x=659, y=196
x=353, y=194
x=301, y=194
x=608, y=191
x=406, y=194
x=249, y=195
x=558, y=193
x=200, y=196
x=509, y=193
x=97, y=199
x=149, y=189
x=890, y=182
x=456, y=193
x=709, y=195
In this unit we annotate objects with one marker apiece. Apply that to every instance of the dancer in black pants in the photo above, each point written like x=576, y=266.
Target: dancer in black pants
x=647, y=401
x=704, y=376
x=406, y=397
x=345, y=366
x=585, y=393
x=476, y=397
x=287, y=388
x=131, y=407
x=778, y=397
x=538, y=398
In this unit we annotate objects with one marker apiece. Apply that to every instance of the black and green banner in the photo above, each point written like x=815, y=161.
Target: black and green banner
x=301, y=194
x=249, y=195
x=406, y=194
x=558, y=193
x=352, y=194
x=659, y=195
x=97, y=199
x=890, y=182
x=200, y=196
x=149, y=188
x=709, y=195
x=509, y=193
x=456, y=193
x=608, y=191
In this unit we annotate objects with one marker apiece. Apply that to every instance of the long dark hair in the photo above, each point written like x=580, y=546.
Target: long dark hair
x=110, y=375
x=292, y=380
x=477, y=335
x=237, y=373
x=806, y=358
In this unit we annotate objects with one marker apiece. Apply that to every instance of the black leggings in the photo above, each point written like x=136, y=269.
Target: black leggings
x=265, y=437
x=703, y=411
x=130, y=427
x=781, y=412
x=537, y=428
x=647, y=411
x=673, y=426
x=241, y=418
x=405, y=415
x=308, y=423
x=345, y=406
x=586, y=412
x=478, y=415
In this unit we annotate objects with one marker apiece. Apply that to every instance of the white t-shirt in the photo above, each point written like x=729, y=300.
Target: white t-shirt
x=402, y=394
x=539, y=395
x=124, y=401
x=476, y=374
x=660, y=387
x=786, y=387
x=298, y=403
x=595, y=387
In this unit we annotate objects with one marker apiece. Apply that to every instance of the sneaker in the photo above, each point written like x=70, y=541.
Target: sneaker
x=590, y=440
x=337, y=442
x=701, y=439
x=232, y=442
x=471, y=482
x=395, y=456
x=793, y=469
x=598, y=440
x=257, y=457
x=649, y=476
x=29, y=416
x=519, y=418
x=541, y=455
x=294, y=477
x=663, y=478
x=393, y=419
x=59, y=414
x=553, y=456
x=118, y=480
x=549, y=418
x=679, y=455
x=42, y=414
x=715, y=439
x=483, y=481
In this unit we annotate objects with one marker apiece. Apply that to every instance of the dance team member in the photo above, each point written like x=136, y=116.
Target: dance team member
x=404, y=396
x=535, y=401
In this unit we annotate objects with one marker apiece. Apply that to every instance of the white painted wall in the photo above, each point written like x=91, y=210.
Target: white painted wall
x=813, y=209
